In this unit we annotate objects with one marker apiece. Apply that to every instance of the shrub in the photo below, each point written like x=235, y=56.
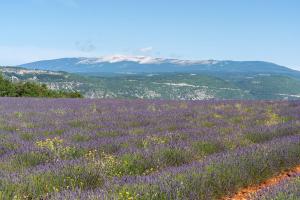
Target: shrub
x=32, y=89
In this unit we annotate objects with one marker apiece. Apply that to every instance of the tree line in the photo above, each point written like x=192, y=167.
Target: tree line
x=32, y=89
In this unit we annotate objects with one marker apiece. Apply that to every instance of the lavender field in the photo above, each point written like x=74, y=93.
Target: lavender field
x=137, y=149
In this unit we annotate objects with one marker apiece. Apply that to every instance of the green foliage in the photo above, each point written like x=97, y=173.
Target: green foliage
x=173, y=157
x=137, y=131
x=31, y=89
x=133, y=164
x=203, y=148
x=54, y=132
x=80, y=138
x=258, y=137
x=27, y=136
x=127, y=164
x=107, y=134
x=30, y=159
x=208, y=124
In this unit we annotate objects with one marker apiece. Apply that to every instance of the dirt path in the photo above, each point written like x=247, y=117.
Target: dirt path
x=244, y=193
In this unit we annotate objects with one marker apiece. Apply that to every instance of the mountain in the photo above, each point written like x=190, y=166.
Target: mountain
x=142, y=64
x=178, y=86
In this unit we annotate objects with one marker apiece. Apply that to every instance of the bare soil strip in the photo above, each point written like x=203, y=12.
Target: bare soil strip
x=244, y=194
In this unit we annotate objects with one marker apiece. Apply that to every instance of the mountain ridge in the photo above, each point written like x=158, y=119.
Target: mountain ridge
x=145, y=64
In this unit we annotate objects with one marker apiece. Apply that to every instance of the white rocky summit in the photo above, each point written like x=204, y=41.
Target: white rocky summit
x=142, y=60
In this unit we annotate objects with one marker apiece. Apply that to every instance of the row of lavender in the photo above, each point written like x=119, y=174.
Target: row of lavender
x=285, y=190
x=118, y=149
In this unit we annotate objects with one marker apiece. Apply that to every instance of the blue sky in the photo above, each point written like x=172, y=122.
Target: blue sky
x=266, y=30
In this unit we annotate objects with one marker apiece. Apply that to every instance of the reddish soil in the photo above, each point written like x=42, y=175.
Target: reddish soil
x=244, y=193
